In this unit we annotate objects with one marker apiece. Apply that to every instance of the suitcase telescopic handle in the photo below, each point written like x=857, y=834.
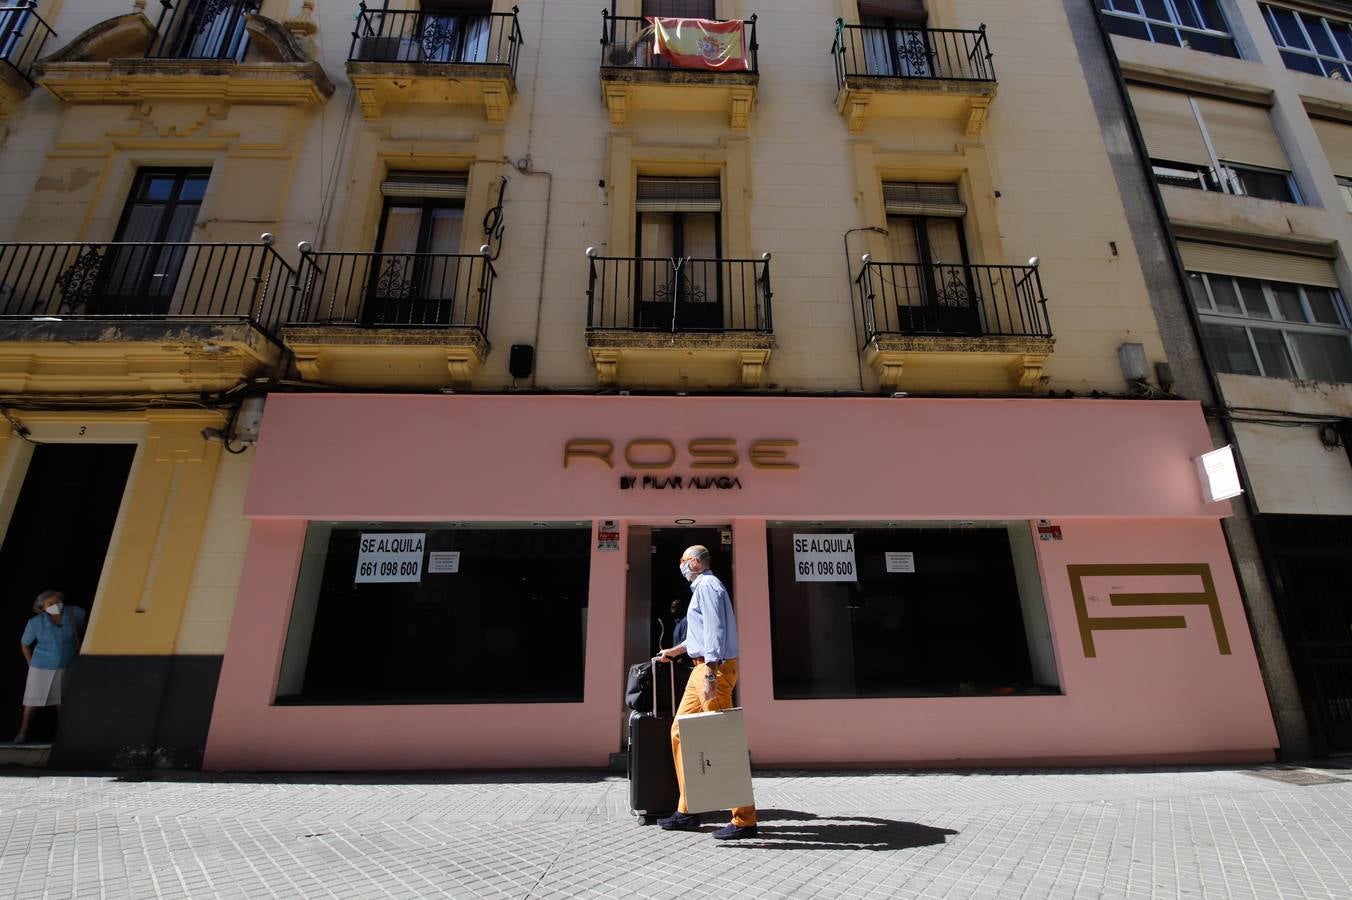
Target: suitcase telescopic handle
x=672, y=680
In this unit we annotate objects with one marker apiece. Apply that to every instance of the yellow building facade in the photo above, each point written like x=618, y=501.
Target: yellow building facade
x=206, y=205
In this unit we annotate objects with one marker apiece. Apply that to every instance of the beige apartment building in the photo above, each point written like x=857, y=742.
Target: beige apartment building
x=1245, y=112
x=352, y=351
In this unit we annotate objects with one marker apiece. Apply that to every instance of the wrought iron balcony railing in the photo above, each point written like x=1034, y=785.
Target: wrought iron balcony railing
x=629, y=42
x=202, y=29
x=954, y=300
x=441, y=36
x=144, y=280
x=446, y=290
x=23, y=35
x=912, y=53
x=679, y=295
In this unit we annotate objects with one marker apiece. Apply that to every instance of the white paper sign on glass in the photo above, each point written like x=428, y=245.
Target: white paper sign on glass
x=900, y=562
x=443, y=562
x=824, y=557
x=390, y=557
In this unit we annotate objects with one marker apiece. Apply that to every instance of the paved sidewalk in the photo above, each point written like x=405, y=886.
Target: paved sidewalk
x=1187, y=832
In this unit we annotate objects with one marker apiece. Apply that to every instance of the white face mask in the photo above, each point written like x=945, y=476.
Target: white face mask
x=54, y=610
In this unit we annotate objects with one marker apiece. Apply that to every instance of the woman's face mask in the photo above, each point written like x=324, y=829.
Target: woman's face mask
x=54, y=609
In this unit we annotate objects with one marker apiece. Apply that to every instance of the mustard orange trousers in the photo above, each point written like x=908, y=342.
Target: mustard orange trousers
x=691, y=703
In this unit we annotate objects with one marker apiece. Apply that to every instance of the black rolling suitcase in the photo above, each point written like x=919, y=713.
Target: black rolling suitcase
x=653, y=791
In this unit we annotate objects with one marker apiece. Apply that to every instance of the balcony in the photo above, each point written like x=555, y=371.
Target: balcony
x=23, y=37
x=446, y=58
x=415, y=320
x=931, y=73
x=197, y=50
x=643, y=70
x=954, y=327
x=139, y=316
x=689, y=322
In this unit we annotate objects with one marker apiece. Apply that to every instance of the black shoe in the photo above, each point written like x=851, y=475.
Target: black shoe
x=679, y=822
x=733, y=832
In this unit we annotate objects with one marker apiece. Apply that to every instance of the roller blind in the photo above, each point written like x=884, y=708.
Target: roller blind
x=1242, y=134
x=908, y=11
x=1169, y=126
x=446, y=185
x=907, y=198
x=1261, y=264
x=1336, y=139
x=678, y=195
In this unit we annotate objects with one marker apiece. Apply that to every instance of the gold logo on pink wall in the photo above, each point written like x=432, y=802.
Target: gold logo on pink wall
x=1089, y=624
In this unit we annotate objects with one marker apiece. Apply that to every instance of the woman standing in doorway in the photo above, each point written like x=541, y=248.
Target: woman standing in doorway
x=49, y=643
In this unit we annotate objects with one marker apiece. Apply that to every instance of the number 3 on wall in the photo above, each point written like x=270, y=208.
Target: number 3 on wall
x=83, y=429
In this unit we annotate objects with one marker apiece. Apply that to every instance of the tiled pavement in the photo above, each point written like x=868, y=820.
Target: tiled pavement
x=1186, y=832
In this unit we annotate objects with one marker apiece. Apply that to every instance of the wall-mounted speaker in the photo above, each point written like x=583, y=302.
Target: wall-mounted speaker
x=522, y=360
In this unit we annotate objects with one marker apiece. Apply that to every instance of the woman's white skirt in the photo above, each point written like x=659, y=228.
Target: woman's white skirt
x=43, y=687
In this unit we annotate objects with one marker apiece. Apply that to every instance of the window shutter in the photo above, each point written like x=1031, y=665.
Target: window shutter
x=1242, y=134
x=908, y=198
x=1170, y=128
x=1336, y=139
x=1261, y=264
x=910, y=12
x=678, y=195
x=452, y=186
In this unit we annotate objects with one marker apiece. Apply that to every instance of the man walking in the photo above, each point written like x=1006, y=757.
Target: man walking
x=711, y=643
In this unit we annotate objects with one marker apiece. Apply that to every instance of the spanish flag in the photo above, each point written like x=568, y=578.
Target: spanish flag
x=702, y=44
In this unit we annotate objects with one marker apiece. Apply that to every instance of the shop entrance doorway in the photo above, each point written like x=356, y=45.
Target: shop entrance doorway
x=655, y=584
x=667, y=587
x=56, y=540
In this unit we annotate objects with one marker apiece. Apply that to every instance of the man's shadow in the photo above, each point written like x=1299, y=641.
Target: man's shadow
x=805, y=831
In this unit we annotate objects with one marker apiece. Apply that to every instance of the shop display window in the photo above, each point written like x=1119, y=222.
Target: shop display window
x=438, y=613
x=907, y=610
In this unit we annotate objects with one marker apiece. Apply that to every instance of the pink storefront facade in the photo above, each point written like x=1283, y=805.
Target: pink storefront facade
x=1122, y=637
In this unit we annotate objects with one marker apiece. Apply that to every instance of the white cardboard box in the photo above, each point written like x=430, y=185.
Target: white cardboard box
x=714, y=760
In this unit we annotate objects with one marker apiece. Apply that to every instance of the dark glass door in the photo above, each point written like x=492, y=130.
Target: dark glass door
x=56, y=540
x=414, y=277
x=140, y=278
x=940, y=297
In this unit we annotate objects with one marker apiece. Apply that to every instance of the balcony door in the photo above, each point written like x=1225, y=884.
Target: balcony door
x=455, y=32
x=934, y=286
x=897, y=50
x=208, y=29
x=896, y=42
x=678, y=274
x=415, y=271
x=13, y=23
x=138, y=275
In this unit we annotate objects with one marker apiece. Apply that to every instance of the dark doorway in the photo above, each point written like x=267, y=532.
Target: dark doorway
x=1307, y=560
x=668, y=585
x=57, y=540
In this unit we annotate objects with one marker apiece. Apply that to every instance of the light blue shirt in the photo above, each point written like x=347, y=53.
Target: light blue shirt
x=56, y=645
x=711, y=627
